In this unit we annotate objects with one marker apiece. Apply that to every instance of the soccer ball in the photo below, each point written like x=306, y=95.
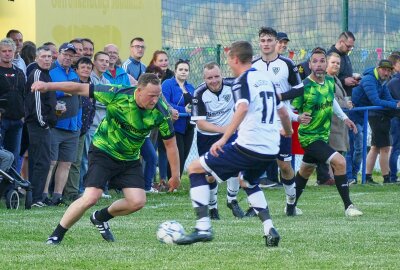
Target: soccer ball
x=169, y=231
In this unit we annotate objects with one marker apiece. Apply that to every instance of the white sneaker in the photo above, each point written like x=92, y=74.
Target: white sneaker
x=152, y=190
x=298, y=211
x=105, y=196
x=352, y=211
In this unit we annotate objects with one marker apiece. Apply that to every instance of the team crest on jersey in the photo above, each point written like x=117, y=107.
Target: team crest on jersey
x=227, y=97
x=275, y=70
x=195, y=101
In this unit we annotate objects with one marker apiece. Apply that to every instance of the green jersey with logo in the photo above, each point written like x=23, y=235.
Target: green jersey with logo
x=318, y=101
x=126, y=125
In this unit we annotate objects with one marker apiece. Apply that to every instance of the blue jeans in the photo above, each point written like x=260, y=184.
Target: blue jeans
x=162, y=159
x=395, y=152
x=11, y=134
x=84, y=161
x=354, y=155
x=150, y=162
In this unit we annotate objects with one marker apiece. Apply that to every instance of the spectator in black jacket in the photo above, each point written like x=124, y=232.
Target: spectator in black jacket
x=12, y=87
x=40, y=117
x=342, y=47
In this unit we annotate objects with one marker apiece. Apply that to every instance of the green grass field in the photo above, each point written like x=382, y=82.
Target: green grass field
x=323, y=238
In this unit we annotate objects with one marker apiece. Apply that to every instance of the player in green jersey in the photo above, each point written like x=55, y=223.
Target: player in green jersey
x=114, y=154
x=319, y=103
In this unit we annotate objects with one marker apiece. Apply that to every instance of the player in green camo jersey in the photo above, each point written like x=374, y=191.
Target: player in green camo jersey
x=319, y=103
x=126, y=125
x=114, y=153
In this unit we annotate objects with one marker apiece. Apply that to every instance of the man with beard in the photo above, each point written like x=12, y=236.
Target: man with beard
x=318, y=100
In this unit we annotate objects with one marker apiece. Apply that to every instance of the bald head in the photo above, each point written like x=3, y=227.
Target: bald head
x=113, y=52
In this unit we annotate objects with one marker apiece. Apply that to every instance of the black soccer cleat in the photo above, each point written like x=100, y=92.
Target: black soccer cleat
x=53, y=240
x=213, y=213
x=272, y=238
x=103, y=228
x=290, y=210
x=250, y=212
x=236, y=210
x=196, y=236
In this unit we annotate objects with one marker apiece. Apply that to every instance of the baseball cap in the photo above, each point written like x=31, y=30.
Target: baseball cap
x=282, y=36
x=67, y=46
x=384, y=63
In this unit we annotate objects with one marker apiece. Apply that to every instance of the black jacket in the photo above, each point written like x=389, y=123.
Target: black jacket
x=40, y=107
x=346, y=69
x=12, y=86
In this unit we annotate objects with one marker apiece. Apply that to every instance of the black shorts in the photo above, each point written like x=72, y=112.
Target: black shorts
x=104, y=169
x=318, y=152
x=380, y=127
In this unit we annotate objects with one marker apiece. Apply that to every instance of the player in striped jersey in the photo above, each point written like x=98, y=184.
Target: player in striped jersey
x=256, y=111
x=284, y=75
x=212, y=111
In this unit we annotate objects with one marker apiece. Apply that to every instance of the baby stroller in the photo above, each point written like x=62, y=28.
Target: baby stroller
x=12, y=185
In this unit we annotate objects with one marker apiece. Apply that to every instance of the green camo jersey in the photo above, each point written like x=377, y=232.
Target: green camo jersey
x=318, y=101
x=125, y=126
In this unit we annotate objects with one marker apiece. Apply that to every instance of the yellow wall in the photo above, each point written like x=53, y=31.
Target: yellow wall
x=103, y=21
x=20, y=15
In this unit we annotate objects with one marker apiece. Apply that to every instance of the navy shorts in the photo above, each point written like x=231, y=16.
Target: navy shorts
x=236, y=159
x=285, y=149
x=204, y=142
x=104, y=169
x=318, y=152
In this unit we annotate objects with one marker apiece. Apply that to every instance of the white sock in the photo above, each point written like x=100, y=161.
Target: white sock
x=267, y=226
x=290, y=192
x=203, y=224
x=200, y=195
x=257, y=201
x=232, y=188
x=213, y=203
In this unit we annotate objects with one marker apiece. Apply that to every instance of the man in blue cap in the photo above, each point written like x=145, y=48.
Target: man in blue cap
x=283, y=41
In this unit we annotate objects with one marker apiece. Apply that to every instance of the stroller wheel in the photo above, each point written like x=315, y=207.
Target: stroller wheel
x=12, y=199
x=28, y=199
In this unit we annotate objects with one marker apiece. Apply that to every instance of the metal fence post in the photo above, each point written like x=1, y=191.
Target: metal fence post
x=364, y=152
x=219, y=54
x=345, y=15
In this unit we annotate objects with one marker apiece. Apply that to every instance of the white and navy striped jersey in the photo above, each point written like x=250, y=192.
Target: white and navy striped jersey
x=215, y=108
x=284, y=75
x=259, y=130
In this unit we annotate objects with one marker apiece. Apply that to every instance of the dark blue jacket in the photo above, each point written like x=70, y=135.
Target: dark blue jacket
x=371, y=92
x=174, y=96
x=394, y=86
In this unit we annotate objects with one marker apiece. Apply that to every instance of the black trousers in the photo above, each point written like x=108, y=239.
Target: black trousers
x=39, y=158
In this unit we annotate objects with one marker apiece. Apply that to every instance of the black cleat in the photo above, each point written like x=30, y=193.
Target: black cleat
x=272, y=238
x=196, y=236
x=213, y=213
x=236, y=210
x=53, y=240
x=103, y=228
x=250, y=212
x=290, y=210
